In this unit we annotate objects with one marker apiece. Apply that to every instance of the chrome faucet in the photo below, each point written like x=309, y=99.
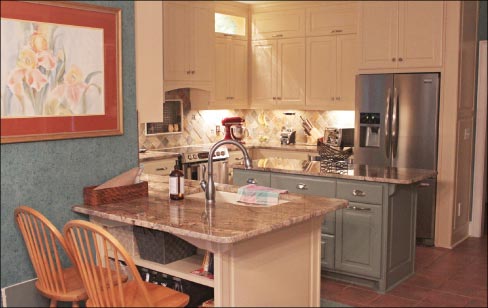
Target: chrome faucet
x=209, y=187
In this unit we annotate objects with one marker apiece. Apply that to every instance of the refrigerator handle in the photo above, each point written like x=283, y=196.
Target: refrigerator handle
x=387, y=124
x=394, y=124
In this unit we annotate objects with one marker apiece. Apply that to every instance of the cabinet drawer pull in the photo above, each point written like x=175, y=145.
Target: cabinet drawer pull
x=358, y=193
x=188, y=72
x=338, y=98
x=336, y=31
x=423, y=185
x=393, y=59
x=278, y=35
x=278, y=98
x=251, y=181
x=302, y=186
x=239, y=158
x=162, y=169
x=357, y=208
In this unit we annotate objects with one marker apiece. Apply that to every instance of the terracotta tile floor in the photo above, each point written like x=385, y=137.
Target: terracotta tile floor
x=443, y=278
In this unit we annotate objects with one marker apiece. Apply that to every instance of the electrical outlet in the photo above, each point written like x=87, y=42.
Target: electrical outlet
x=459, y=209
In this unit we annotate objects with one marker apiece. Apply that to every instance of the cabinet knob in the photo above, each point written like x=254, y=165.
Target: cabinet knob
x=232, y=97
x=393, y=59
x=332, y=98
x=274, y=97
x=302, y=186
x=338, y=98
x=400, y=59
x=278, y=98
x=192, y=72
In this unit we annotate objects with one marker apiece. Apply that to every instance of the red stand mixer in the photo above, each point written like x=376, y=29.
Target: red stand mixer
x=234, y=129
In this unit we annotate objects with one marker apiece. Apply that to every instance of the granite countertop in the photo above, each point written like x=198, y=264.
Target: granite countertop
x=354, y=171
x=156, y=154
x=226, y=223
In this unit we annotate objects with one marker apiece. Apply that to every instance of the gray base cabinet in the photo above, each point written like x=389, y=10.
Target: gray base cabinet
x=358, y=236
x=372, y=241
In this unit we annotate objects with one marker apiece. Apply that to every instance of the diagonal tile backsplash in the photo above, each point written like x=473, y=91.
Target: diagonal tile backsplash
x=199, y=126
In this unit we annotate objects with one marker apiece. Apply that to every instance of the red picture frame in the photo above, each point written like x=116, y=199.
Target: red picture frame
x=37, y=128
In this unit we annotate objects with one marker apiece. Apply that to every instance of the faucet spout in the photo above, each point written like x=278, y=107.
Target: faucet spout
x=209, y=186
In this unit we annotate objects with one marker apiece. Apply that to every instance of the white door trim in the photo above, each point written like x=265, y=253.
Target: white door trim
x=479, y=174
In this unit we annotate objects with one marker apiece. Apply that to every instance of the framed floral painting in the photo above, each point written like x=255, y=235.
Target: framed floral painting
x=60, y=71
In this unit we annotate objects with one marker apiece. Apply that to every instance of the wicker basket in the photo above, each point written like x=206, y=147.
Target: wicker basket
x=332, y=160
x=114, y=194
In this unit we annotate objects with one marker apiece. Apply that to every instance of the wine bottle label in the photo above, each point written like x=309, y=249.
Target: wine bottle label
x=174, y=188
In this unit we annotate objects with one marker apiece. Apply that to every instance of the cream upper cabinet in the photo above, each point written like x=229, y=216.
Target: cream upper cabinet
x=278, y=24
x=378, y=36
x=263, y=72
x=401, y=34
x=321, y=71
x=420, y=31
x=278, y=73
x=188, y=41
x=331, y=71
x=332, y=19
x=347, y=68
x=231, y=77
x=290, y=90
x=149, y=60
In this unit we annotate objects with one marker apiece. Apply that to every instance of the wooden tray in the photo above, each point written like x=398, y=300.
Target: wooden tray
x=114, y=194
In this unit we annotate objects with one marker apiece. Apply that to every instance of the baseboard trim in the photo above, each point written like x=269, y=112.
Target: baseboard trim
x=23, y=294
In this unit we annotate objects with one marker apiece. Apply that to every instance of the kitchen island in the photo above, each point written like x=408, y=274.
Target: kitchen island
x=372, y=241
x=263, y=256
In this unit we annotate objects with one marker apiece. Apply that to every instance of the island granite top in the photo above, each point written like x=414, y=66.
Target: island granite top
x=222, y=223
x=368, y=173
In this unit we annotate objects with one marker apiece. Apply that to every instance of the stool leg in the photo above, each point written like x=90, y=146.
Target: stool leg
x=54, y=303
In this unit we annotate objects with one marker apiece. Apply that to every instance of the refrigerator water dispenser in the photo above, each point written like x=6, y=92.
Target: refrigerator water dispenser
x=369, y=132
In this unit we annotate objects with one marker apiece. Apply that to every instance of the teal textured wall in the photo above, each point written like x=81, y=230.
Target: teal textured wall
x=49, y=176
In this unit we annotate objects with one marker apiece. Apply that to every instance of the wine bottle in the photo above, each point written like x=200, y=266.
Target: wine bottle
x=176, y=183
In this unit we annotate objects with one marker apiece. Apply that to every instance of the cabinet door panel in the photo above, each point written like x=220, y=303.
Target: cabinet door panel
x=346, y=71
x=291, y=72
x=244, y=177
x=263, y=72
x=321, y=71
x=306, y=185
x=176, y=47
x=238, y=73
x=222, y=67
x=282, y=24
x=332, y=19
x=161, y=167
x=202, y=48
x=420, y=33
x=358, y=239
x=378, y=32
x=328, y=253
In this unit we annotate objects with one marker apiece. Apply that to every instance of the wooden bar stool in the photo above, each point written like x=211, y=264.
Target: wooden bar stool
x=43, y=240
x=90, y=246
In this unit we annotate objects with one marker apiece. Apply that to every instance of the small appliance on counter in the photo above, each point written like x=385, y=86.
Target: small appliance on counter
x=339, y=137
x=288, y=134
x=235, y=129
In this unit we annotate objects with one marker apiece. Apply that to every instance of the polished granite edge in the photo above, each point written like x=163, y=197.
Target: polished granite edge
x=358, y=172
x=227, y=224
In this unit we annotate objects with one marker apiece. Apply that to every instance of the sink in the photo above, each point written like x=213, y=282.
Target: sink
x=228, y=197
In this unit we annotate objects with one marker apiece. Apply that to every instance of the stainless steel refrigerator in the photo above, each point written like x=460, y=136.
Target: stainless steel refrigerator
x=397, y=125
